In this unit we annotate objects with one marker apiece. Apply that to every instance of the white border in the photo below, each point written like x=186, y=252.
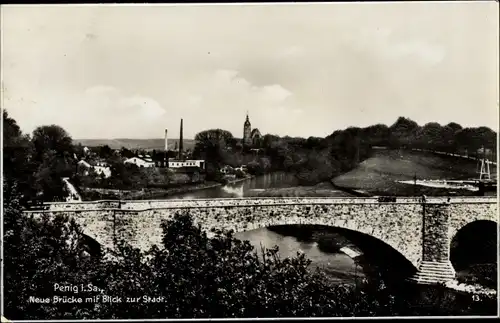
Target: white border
x=222, y=319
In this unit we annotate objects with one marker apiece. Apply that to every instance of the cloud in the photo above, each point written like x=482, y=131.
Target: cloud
x=425, y=51
x=101, y=90
x=230, y=95
x=383, y=41
x=107, y=111
x=275, y=93
x=147, y=107
x=194, y=101
x=291, y=52
x=108, y=99
x=229, y=84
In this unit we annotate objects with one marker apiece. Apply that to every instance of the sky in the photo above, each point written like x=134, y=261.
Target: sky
x=299, y=70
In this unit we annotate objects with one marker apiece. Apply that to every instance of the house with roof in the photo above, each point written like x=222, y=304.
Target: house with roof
x=99, y=167
x=141, y=161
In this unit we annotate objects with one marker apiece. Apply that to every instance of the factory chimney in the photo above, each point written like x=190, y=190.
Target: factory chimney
x=166, y=140
x=165, y=153
x=180, y=143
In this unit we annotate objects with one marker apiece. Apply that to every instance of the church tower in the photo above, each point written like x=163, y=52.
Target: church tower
x=247, y=132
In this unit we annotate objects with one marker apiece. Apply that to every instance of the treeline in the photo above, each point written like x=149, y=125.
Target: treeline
x=38, y=162
x=452, y=138
x=34, y=165
x=314, y=160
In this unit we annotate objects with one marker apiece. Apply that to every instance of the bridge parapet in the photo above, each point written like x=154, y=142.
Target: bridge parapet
x=256, y=201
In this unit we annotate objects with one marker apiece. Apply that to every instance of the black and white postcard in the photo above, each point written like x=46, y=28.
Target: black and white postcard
x=215, y=161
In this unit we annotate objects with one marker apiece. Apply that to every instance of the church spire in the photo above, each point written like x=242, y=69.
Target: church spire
x=247, y=121
x=247, y=129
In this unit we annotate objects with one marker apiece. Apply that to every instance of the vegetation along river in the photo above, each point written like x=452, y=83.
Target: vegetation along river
x=338, y=264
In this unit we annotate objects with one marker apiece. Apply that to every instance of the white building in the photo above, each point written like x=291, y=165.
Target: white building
x=186, y=163
x=141, y=161
x=99, y=168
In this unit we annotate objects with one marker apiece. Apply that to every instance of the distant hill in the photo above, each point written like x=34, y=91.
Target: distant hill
x=147, y=144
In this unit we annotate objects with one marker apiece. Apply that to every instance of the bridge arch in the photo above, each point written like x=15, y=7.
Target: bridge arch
x=391, y=235
x=474, y=243
x=377, y=257
x=90, y=246
x=459, y=218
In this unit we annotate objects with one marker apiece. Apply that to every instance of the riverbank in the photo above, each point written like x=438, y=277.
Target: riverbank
x=239, y=180
x=324, y=189
x=93, y=194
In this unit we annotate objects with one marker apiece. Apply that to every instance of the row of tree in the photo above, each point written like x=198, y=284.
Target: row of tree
x=451, y=138
x=38, y=162
x=318, y=159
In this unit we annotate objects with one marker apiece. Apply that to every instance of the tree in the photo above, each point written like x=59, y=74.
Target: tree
x=209, y=146
x=52, y=138
x=430, y=135
x=448, y=137
x=54, y=156
x=39, y=253
x=18, y=167
x=105, y=151
x=126, y=153
x=243, y=283
x=377, y=135
x=403, y=132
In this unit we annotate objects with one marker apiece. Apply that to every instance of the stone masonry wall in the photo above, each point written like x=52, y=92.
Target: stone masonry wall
x=400, y=224
x=435, y=232
x=152, y=204
x=461, y=215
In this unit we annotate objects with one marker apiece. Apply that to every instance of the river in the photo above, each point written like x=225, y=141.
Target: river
x=339, y=266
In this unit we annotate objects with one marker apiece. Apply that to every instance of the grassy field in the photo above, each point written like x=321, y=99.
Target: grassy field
x=378, y=175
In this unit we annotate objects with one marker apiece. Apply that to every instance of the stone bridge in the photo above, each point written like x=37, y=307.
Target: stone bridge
x=420, y=230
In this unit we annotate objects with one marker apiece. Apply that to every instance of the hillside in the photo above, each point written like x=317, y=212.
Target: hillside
x=378, y=174
x=147, y=144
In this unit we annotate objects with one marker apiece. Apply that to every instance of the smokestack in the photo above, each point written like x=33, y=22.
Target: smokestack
x=165, y=153
x=180, y=143
x=166, y=140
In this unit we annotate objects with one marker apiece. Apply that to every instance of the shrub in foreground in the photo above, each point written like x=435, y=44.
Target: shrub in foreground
x=191, y=276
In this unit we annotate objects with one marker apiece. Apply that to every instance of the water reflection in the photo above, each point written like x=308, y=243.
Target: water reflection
x=339, y=266
x=244, y=188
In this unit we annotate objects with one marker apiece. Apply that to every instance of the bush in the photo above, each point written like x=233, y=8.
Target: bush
x=242, y=282
x=239, y=173
x=482, y=274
